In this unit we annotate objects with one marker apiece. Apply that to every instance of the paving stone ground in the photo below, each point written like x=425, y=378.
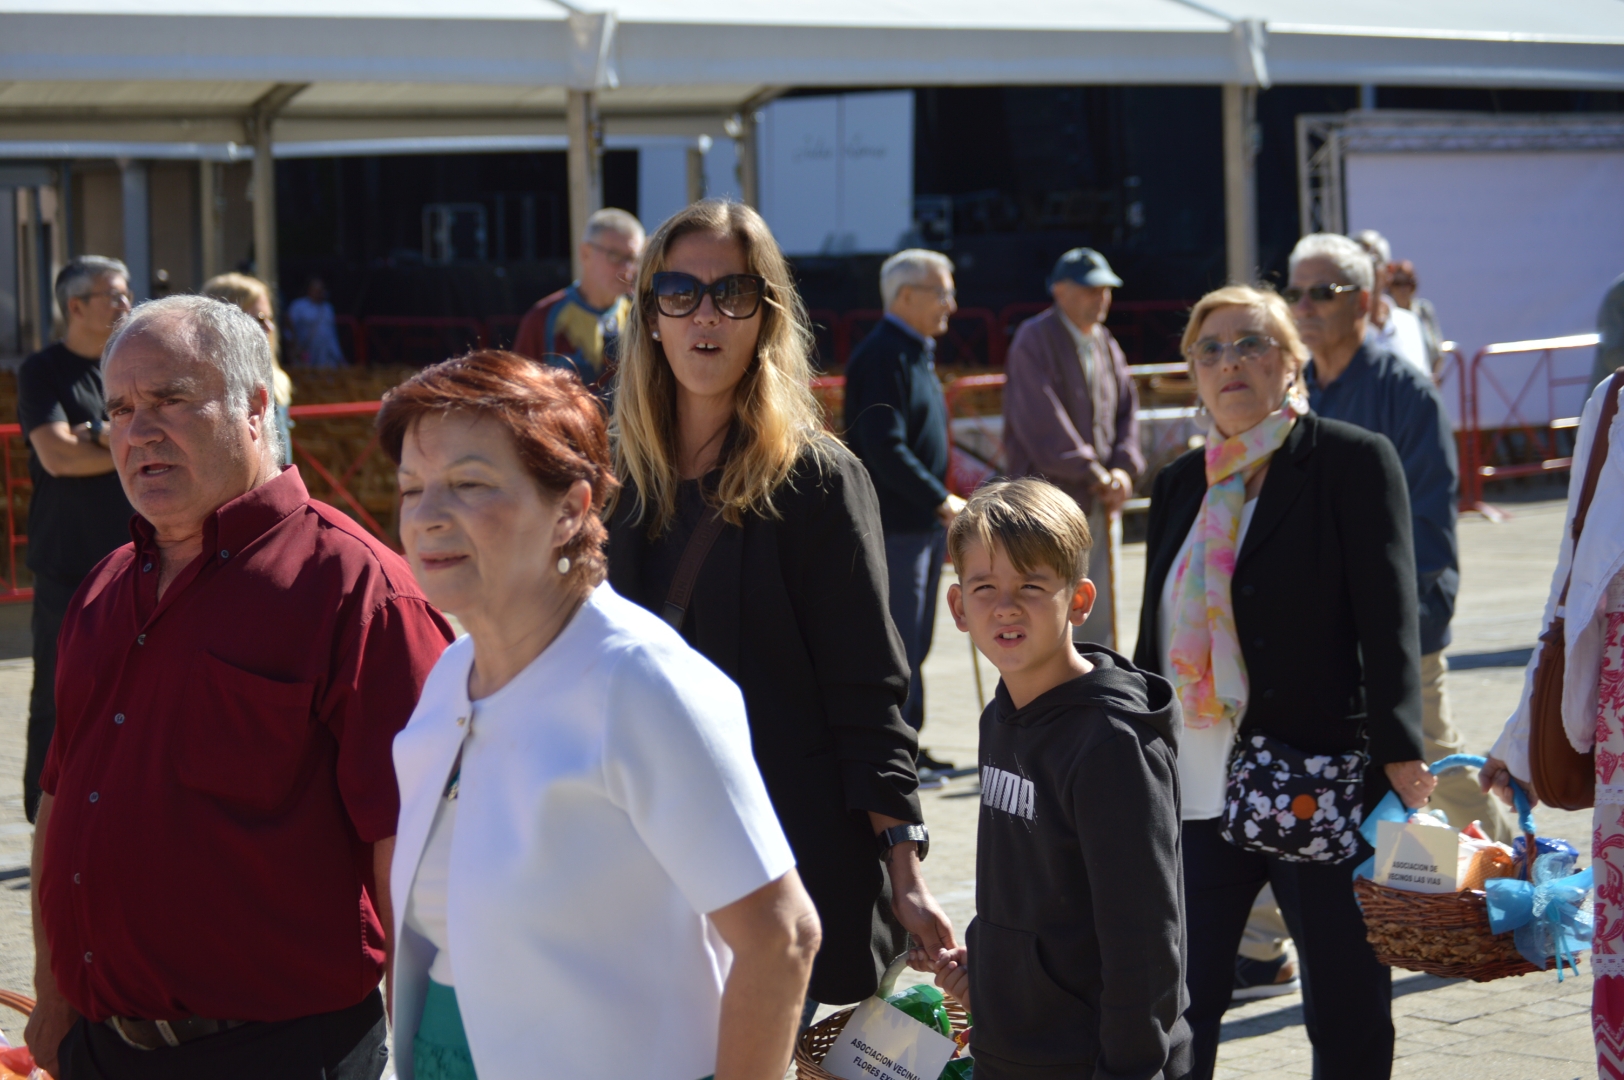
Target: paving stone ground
x=1530, y=1028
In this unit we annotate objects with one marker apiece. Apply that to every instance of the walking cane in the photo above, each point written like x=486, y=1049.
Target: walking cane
x=1113, y=549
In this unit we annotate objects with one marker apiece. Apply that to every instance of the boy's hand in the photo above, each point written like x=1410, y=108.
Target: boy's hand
x=953, y=975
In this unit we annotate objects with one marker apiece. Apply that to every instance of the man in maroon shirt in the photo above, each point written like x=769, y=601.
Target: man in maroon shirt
x=211, y=861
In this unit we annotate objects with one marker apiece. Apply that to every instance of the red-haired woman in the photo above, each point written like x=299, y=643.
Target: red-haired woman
x=585, y=846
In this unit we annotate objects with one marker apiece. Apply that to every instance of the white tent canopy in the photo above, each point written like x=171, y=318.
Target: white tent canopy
x=208, y=78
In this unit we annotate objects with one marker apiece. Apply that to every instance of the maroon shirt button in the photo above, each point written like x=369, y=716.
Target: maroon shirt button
x=224, y=554
x=87, y=958
x=76, y=879
x=141, y=639
x=147, y=569
x=94, y=795
x=118, y=718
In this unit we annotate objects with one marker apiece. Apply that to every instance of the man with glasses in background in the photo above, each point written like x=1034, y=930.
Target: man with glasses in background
x=896, y=423
x=577, y=326
x=78, y=512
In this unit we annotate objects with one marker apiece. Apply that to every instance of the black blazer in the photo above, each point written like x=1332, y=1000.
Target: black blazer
x=1323, y=593
x=794, y=610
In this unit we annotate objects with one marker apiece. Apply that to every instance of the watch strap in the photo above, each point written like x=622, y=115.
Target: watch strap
x=899, y=834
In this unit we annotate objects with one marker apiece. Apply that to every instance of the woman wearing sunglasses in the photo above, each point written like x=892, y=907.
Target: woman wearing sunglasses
x=757, y=535
x=1280, y=602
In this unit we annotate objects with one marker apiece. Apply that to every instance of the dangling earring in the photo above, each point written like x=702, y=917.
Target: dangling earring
x=656, y=335
x=564, y=565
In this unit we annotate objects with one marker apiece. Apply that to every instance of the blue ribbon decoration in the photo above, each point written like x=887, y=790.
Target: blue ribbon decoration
x=1546, y=915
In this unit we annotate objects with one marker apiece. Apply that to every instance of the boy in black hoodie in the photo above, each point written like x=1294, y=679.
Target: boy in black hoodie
x=1075, y=960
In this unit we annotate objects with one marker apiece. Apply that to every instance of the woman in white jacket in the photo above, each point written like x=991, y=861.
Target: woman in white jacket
x=1592, y=703
x=590, y=879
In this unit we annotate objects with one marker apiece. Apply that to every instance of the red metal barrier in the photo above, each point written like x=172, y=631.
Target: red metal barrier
x=10, y=591
x=340, y=483
x=419, y=340
x=1519, y=435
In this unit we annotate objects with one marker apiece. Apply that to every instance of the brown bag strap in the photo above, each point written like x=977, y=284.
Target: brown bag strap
x=693, y=560
x=1599, y=446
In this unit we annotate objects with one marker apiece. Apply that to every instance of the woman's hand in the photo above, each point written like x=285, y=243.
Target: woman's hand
x=1496, y=776
x=1411, y=781
x=929, y=930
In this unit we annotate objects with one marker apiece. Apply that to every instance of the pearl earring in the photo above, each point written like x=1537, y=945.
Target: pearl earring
x=564, y=565
x=656, y=335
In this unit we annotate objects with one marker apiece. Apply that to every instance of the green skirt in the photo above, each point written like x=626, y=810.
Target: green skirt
x=440, y=1048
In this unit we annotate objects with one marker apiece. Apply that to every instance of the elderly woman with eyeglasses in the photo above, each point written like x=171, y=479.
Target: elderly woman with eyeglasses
x=1280, y=601
x=756, y=534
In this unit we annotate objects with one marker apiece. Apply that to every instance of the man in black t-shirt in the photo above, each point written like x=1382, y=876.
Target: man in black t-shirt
x=78, y=512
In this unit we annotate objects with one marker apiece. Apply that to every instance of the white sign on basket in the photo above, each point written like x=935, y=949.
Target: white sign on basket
x=1420, y=858
x=881, y=1042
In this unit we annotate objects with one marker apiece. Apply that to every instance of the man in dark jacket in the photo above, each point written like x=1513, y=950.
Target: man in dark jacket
x=78, y=512
x=896, y=423
x=1354, y=380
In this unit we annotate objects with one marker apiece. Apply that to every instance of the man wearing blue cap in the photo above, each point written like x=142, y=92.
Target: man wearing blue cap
x=1069, y=411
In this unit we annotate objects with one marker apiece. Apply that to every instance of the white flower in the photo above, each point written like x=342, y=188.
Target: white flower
x=1281, y=802
x=1315, y=764
x=1264, y=757
x=1250, y=829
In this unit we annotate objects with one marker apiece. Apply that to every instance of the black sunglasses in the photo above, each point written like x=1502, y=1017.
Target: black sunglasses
x=738, y=296
x=1318, y=293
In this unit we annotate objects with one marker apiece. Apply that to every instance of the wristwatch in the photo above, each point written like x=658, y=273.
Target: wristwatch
x=898, y=834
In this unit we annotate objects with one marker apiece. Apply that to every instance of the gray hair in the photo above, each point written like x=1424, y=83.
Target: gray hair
x=612, y=220
x=1353, y=263
x=221, y=333
x=1375, y=244
x=914, y=266
x=78, y=278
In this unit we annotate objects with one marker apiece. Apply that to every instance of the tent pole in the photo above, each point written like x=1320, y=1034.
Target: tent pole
x=260, y=120
x=137, y=227
x=585, y=167
x=208, y=218
x=1240, y=181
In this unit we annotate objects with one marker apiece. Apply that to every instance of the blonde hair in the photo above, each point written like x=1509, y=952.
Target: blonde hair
x=775, y=416
x=242, y=290
x=1268, y=305
x=1034, y=522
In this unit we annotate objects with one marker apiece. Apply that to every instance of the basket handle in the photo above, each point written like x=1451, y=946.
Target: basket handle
x=1519, y=798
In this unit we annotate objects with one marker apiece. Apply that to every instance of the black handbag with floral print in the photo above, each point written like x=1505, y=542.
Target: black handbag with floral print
x=1294, y=806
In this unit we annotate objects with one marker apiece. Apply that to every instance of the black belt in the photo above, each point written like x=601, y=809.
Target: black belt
x=161, y=1034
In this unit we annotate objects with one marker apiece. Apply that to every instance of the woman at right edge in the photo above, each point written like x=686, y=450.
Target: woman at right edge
x=1592, y=698
x=1299, y=623
x=714, y=413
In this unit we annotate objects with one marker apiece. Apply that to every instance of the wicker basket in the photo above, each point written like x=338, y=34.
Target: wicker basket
x=1443, y=934
x=21, y=1002
x=816, y=1041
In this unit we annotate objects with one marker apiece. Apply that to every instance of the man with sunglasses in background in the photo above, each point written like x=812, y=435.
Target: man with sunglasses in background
x=896, y=423
x=1352, y=379
x=577, y=326
x=1070, y=409
x=78, y=512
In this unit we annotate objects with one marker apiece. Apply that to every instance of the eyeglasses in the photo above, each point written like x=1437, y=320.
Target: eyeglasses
x=1402, y=283
x=943, y=296
x=1208, y=351
x=267, y=321
x=1320, y=294
x=737, y=296
x=618, y=258
x=114, y=296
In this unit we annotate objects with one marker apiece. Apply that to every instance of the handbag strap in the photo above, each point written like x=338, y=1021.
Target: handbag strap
x=1598, y=458
x=693, y=560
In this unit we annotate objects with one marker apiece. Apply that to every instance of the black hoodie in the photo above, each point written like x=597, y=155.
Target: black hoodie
x=1076, y=954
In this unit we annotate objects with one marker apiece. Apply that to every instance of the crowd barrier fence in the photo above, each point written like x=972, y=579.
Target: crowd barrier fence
x=1490, y=375
x=1529, y=397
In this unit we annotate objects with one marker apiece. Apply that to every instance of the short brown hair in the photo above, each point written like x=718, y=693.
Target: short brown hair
x=1035, y=523
x=557, y=427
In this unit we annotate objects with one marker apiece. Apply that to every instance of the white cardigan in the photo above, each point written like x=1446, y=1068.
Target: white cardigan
x=608, y=800
x=1599, y=559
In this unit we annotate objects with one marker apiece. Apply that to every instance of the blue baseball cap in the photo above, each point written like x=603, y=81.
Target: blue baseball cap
x=1085, y=266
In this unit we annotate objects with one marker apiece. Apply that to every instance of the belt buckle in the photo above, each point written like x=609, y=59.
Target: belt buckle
x=117, y=1024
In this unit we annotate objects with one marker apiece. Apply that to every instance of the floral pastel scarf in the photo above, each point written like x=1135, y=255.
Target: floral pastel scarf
x=1208, y=671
